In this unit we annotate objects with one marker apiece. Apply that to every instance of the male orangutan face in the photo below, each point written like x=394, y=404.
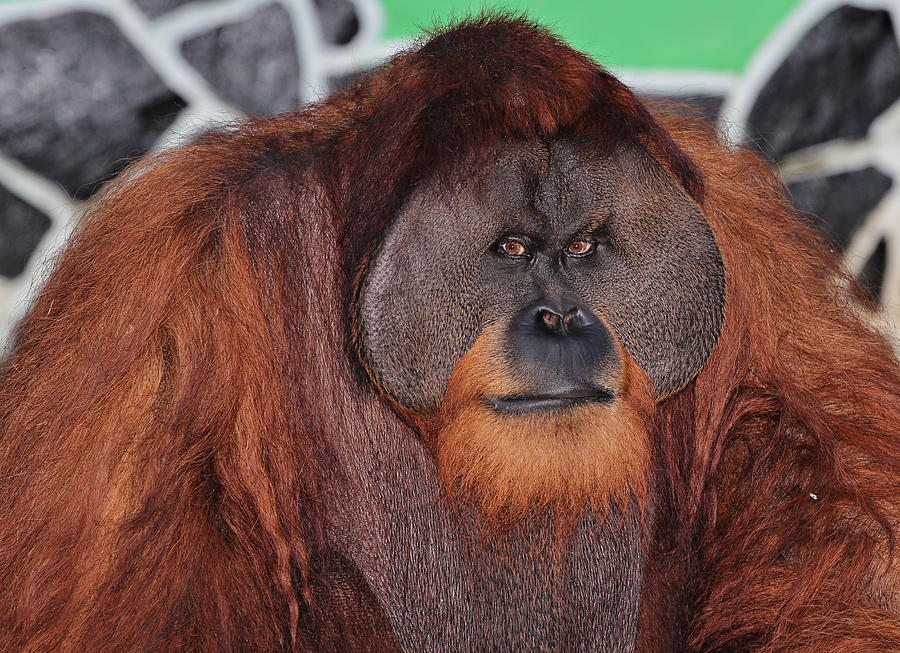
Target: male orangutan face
x=532, y=309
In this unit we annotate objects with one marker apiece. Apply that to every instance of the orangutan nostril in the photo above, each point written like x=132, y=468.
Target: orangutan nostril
x=550, y=321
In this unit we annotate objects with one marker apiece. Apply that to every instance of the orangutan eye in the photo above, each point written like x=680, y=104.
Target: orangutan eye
x=580, y=248
x=513, y=248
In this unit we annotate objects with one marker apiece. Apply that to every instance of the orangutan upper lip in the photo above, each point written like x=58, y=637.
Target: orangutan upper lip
x=518, y=404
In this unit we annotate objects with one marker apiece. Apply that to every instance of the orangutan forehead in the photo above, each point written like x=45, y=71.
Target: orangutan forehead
x=551, y=185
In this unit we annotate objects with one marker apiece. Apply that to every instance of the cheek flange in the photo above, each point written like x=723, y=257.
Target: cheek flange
x=664, y=292
x=418, y=309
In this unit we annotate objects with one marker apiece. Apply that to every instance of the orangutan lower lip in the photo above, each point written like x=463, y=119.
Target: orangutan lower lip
x=517, y=405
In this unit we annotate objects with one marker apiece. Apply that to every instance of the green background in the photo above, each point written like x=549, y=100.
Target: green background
x=717, y=35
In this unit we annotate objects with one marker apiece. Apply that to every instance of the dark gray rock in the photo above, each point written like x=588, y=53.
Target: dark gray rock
x=21, y=229
x=841, y=75
x=253, y=64
x=841, y=201
x=154, y=8
x=77, y=99
x=339, y=20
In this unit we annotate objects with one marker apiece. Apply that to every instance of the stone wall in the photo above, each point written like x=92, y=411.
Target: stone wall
x=88, y=85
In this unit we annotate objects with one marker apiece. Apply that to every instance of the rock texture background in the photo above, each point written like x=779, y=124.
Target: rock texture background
x=828, y=113
x=88, y=85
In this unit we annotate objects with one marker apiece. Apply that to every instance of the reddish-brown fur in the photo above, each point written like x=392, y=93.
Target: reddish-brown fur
x=782, y=459
x=168, y=411
x=570, y=460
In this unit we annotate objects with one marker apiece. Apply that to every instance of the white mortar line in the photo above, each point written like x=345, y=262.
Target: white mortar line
x=202, y=16
x=371, y=19
x=189, y=123
x=826, y=159
x=32, y=187
x=676, y=82
x=15, y=294
x=885, y=133
x=41, y=9
x=880, y=223
x=163, y=55
x=890, y=285
x=313, y=83
x=346, y=61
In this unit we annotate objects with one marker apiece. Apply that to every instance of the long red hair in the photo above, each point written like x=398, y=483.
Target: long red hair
x=782, y=458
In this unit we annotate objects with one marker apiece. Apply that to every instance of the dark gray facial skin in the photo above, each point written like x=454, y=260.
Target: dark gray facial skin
x=440, y=275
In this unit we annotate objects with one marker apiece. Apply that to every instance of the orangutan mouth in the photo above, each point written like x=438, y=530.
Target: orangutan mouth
x=522, y=404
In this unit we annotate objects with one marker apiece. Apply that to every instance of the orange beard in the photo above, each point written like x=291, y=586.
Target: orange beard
x=568, y=460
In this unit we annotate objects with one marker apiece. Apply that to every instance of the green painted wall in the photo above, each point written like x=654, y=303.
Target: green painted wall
x=717, y=35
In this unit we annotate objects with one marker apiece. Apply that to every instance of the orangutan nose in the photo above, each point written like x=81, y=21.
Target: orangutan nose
x=560, y=317
x=561, y=346
x=556, y=324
